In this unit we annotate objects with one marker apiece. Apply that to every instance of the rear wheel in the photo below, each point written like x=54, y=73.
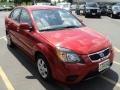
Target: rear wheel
x=99, y=16
x=9, y=41
x=86, y=16
x=43, y=67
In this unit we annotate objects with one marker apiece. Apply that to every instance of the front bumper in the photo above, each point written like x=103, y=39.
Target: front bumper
x=117, y=14
x=71, y=73
x=93, y=14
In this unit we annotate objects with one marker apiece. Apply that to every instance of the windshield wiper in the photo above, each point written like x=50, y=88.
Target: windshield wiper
x=49, y=29
x=71, y=27
x=52, y=29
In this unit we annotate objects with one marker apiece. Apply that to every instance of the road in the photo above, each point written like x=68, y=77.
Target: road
x=17, y=73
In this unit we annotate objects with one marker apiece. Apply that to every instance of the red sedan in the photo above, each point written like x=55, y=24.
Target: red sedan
x=62, y=47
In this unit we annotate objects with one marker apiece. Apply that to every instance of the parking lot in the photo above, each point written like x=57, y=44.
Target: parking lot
x=17, y=73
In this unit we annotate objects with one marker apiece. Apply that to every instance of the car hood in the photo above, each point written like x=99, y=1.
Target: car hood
x=80, y=40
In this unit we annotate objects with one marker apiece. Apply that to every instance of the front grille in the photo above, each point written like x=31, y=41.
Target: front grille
x=99, y=55
x=118, y=13
x=94, y=10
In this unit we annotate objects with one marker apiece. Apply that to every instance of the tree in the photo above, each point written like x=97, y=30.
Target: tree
x=26, y=1
x=42, y=0
x=17, y=2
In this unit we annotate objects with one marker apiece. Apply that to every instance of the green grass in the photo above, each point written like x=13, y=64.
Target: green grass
x=6, y=3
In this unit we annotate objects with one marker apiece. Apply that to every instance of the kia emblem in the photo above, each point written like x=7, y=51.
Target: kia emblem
x=101, y=55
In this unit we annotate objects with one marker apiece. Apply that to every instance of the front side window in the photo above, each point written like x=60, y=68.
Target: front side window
x=15, y=14
x=24, y=17
x=54, y=19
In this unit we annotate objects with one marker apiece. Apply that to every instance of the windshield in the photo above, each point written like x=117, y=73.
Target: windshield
x=91, y=5
x=47, y=19
x=118, y=4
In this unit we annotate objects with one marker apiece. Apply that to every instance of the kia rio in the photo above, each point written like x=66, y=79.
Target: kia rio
x=60, y=45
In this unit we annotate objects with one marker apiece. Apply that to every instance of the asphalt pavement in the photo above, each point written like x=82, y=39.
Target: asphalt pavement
x=17, y=73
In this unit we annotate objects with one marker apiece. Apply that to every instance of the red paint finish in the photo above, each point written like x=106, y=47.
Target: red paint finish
x=82, y=41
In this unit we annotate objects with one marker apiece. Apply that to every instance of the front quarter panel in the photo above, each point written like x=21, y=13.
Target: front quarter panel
x=46, y=50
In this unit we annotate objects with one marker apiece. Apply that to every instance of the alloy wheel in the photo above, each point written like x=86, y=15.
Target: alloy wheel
x=9, y=40
x=42, y=68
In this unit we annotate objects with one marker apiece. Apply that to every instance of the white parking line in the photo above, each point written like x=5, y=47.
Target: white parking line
x=6, y=80
x=3, y=37
x=116, y=63
x=111, y=81
x=116, y=49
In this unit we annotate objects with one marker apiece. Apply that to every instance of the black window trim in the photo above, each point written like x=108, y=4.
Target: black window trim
x=28, y=15
x=18, y=15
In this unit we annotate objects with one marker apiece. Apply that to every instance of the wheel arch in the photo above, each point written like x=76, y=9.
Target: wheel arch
x=38, y=53
x=44, y=51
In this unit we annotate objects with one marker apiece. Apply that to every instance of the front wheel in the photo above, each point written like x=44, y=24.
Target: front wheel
x=112, y=15
x=99, y=16
x=43, y=67
x=86, y=16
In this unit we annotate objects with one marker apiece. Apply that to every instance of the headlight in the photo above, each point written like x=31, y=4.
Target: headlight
x=67, y=55
x=87, y=10
x=114, y=12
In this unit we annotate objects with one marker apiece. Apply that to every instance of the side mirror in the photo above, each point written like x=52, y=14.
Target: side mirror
x=24, y=26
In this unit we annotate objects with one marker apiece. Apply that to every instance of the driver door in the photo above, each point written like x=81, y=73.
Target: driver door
x=26, y=36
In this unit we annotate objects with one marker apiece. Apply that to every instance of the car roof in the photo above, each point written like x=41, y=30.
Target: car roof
x=36, y=7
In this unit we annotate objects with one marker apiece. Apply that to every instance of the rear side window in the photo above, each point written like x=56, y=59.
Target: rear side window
x=24, y=17
x=15, y=14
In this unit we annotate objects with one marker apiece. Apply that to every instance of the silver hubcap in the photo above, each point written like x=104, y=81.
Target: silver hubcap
x=8, y=40
x=111, y=16
x=42, y=68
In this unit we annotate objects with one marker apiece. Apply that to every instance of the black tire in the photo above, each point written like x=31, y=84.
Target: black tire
x=46, y=73
x=9, y=41
x=108, y=14
x=86, y=16
x=99, y=16
x=112, y=15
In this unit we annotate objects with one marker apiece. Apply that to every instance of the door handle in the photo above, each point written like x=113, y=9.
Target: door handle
x=8, y=23
x=18, y=29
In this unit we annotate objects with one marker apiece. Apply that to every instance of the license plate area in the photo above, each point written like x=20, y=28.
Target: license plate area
x=93, y=13
x=104, y=65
